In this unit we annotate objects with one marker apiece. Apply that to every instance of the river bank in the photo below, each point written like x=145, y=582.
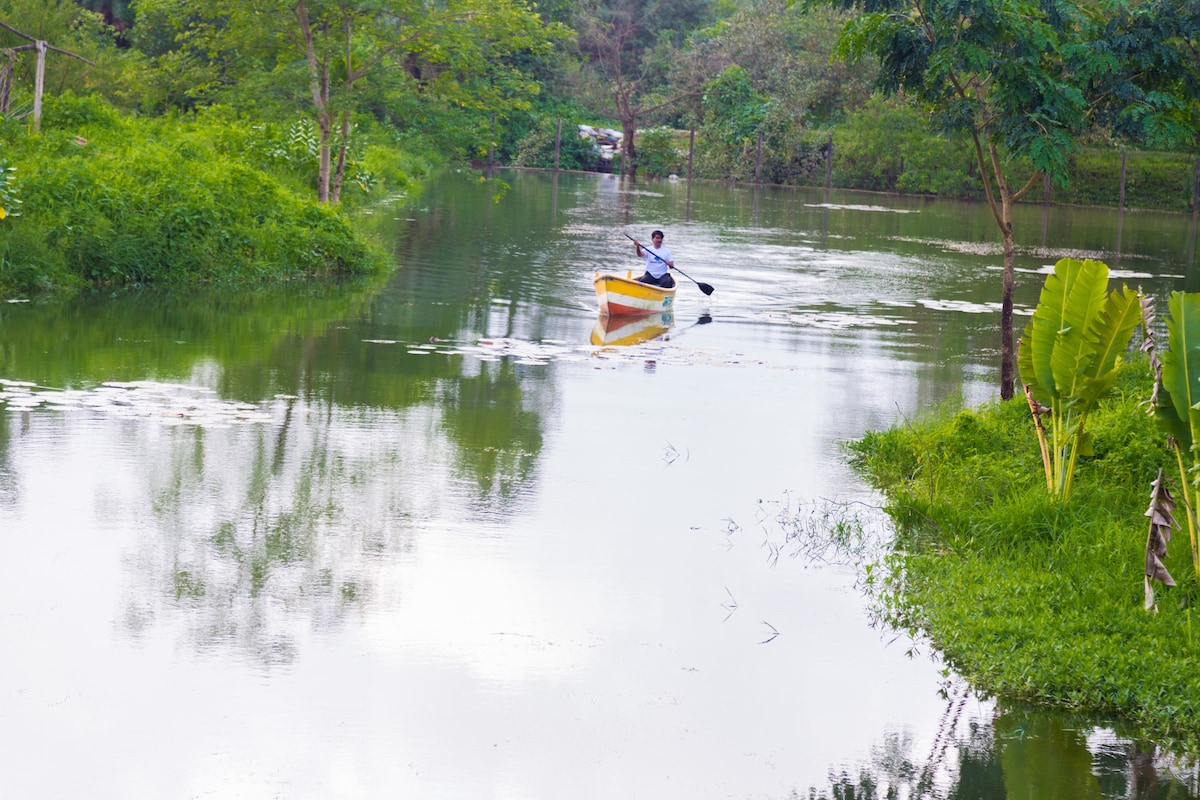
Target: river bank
x=104, y=199
x=1028, y=598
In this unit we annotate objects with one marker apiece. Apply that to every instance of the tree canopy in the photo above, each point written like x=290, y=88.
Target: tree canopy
x=1026, y=79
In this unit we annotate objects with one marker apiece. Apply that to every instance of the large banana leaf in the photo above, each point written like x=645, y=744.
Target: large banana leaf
x=1074, y=349
x=1069, y=356
x=1180, y=392
x=1057, y=338
x=1108, y=337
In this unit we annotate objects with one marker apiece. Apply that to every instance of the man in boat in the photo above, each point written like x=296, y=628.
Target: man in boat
x=658, y=261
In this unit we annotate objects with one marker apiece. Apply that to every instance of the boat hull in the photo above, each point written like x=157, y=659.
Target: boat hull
x=626, y=297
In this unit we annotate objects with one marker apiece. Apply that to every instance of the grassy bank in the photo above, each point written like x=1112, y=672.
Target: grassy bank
x=100, y=198
x=1027, y=597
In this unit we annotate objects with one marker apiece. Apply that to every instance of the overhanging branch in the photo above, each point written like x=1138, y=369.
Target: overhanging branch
x=49, y=46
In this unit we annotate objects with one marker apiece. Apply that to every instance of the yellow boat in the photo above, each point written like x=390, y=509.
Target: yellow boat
x=624, y=296
x=610, y=331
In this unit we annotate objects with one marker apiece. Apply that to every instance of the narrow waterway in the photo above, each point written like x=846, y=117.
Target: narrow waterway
x=450, y=535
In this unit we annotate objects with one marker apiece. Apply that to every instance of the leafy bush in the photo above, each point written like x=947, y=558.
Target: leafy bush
x=658, y=153
x=1152, y=180
x=1026, y=596
x=114, y=200
x=575, y=152
x=67, y=111
x=889, y=146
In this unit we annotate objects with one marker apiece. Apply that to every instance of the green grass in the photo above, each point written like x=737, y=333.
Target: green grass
x=111, y=200
x=1027, y=597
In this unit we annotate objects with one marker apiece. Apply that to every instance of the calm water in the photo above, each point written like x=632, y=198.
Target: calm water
x=447, y=535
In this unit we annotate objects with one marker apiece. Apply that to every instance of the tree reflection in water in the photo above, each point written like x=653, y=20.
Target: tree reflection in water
x=1015, y=753
x=265, y=532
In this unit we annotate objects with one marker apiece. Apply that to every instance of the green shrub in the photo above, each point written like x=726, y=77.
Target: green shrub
x=1026, y=596
x=890, y=146
x=658, y=153
x=1152, y=180
x=114, y=200
x=67, y=111
x=575, y=152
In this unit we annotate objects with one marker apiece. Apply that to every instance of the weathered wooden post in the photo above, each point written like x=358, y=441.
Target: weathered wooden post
x=1121, y=196
x=1196, y=185
x=691, y=150
x=829, y=162
x=758, y=158
x=39, y=81
x=39, y=85
x=557, y=143
x=492, y=146
x=6, y=80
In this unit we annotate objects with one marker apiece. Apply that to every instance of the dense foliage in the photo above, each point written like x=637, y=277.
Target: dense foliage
x=114, y=200
x=1027, y=596
x=353, y=101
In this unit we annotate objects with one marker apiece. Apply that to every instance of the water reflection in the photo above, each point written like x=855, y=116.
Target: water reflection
x=432, y=511
x=619, y=331
x=284, y=509
x=1014, y=753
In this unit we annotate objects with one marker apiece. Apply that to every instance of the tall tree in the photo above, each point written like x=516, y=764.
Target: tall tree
x=1024, y=79
x=774, y=77
x=320, y=54
x=630, y=44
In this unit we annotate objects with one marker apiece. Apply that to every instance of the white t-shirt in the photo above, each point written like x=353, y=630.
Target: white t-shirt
x=655, y=267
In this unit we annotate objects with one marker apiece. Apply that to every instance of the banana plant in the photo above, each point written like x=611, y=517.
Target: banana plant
x=1068, y=359
x=1176, y=400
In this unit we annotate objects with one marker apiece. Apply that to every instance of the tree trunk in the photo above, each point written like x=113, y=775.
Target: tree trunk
x=318, y=78
x=1007, y=361
x=339, y=175
x=628, y=131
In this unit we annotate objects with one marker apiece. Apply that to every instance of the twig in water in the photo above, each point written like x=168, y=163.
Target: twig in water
x=773, y=558
x=731, y=605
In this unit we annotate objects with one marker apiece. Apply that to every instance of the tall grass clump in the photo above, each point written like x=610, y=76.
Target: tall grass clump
x=113, y=200
x=1027, y=595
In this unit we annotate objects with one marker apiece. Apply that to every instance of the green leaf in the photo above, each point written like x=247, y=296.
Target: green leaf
x=1181, y=370
x=1084, y=297
x=1055, y=336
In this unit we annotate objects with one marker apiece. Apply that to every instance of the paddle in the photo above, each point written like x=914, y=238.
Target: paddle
x=704, y=287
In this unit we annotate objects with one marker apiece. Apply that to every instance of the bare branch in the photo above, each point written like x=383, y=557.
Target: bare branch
x=49, y=46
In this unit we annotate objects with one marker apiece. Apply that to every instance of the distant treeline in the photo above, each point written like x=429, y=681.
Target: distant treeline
x=882, y=147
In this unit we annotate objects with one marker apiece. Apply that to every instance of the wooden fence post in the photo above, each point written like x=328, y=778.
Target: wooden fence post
x=39, y=85
x=829, y=162
x=1196, y=185
x=1121, y=196
x=39, y=80
x=758, y=159
x=557, y=142
x=492, y=146
x=692, y=151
